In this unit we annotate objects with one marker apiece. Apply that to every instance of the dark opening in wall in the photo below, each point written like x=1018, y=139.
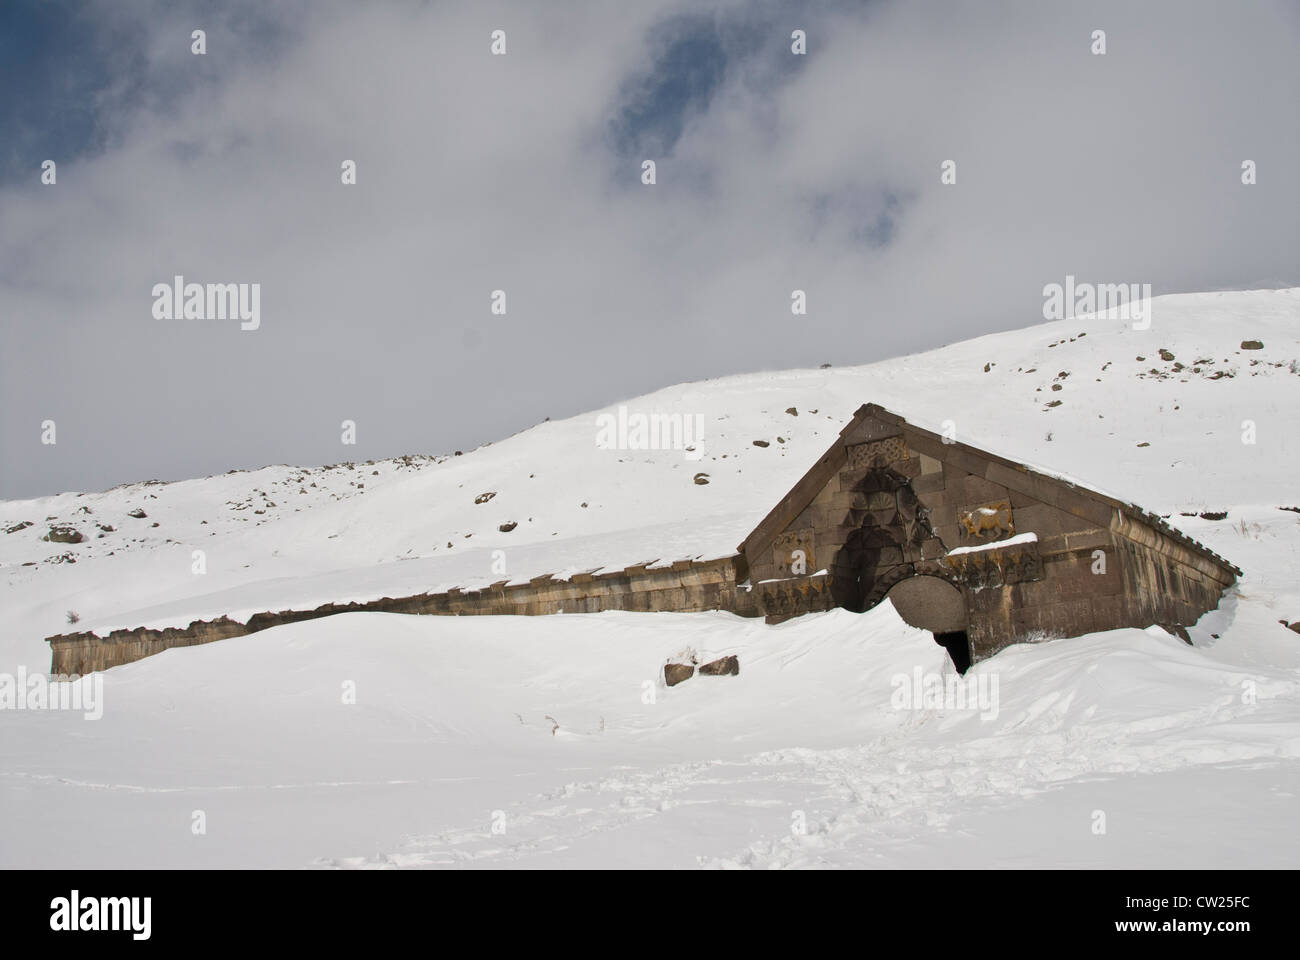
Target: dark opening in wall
x=958, y=646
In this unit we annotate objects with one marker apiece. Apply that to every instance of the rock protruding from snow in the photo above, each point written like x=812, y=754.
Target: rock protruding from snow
x=675, y=673
x=722, y=667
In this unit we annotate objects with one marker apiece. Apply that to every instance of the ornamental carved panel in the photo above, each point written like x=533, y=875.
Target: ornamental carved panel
x=794, y=553
x=878, y=453
x=997, y=566
x=989, y=521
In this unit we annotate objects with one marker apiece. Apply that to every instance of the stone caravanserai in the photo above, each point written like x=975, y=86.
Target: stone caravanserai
x=981, y=551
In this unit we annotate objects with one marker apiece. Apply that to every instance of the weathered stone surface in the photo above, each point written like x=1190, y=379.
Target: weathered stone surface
x=1088, y=540
x=675, y=673
x=978, y=490
x=1042, y=520
x=686, y=586
x=722, y=667
x=1252, y=345
x=63, y=535
x=927, y=483
x=930, y=603
x=910, y=467
x=83, y=653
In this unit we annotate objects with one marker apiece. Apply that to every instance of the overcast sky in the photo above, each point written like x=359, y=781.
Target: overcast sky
x=522, y=172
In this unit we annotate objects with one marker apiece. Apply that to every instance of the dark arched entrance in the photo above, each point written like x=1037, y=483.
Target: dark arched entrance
x=882, y=556
x=888, y=526
x=857, y=568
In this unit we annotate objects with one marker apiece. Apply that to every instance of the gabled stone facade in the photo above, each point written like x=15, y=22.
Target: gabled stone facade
x=964, y=541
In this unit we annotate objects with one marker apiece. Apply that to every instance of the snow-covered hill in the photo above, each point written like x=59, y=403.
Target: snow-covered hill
x=1165, y=433
x=544, y=721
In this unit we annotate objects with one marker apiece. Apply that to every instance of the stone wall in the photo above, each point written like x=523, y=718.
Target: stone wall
x=82, y=653
x=689, y=586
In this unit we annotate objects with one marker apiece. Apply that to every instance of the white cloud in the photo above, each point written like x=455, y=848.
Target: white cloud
x=480, y=172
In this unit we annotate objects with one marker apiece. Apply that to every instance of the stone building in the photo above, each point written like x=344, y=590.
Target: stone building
x=979, y=550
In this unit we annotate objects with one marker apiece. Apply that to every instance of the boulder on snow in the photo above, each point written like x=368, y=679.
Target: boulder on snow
x=138, y=513
x=63, y=535
x=1252, y=345
x=675, y=673
x=722, y=667
x=485, y=497
x=701, y=478
x=505, y=527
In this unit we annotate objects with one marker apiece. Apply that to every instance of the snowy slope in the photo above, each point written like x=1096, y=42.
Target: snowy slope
x=451, y=723
x=293, y=537
x=541, y=725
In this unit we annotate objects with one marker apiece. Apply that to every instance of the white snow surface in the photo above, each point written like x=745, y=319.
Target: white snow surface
x=541, y=726
x=996, y=545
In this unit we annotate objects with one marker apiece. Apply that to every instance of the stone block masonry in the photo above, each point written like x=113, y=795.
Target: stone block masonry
x=690, y=586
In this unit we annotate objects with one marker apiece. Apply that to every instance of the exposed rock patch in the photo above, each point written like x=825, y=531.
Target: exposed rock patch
x=675, y=673
x=722, y=667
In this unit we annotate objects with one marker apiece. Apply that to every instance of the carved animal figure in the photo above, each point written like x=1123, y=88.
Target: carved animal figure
x=995, y=519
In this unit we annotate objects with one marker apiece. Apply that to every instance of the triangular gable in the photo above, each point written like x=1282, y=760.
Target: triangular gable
x=872, y=423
